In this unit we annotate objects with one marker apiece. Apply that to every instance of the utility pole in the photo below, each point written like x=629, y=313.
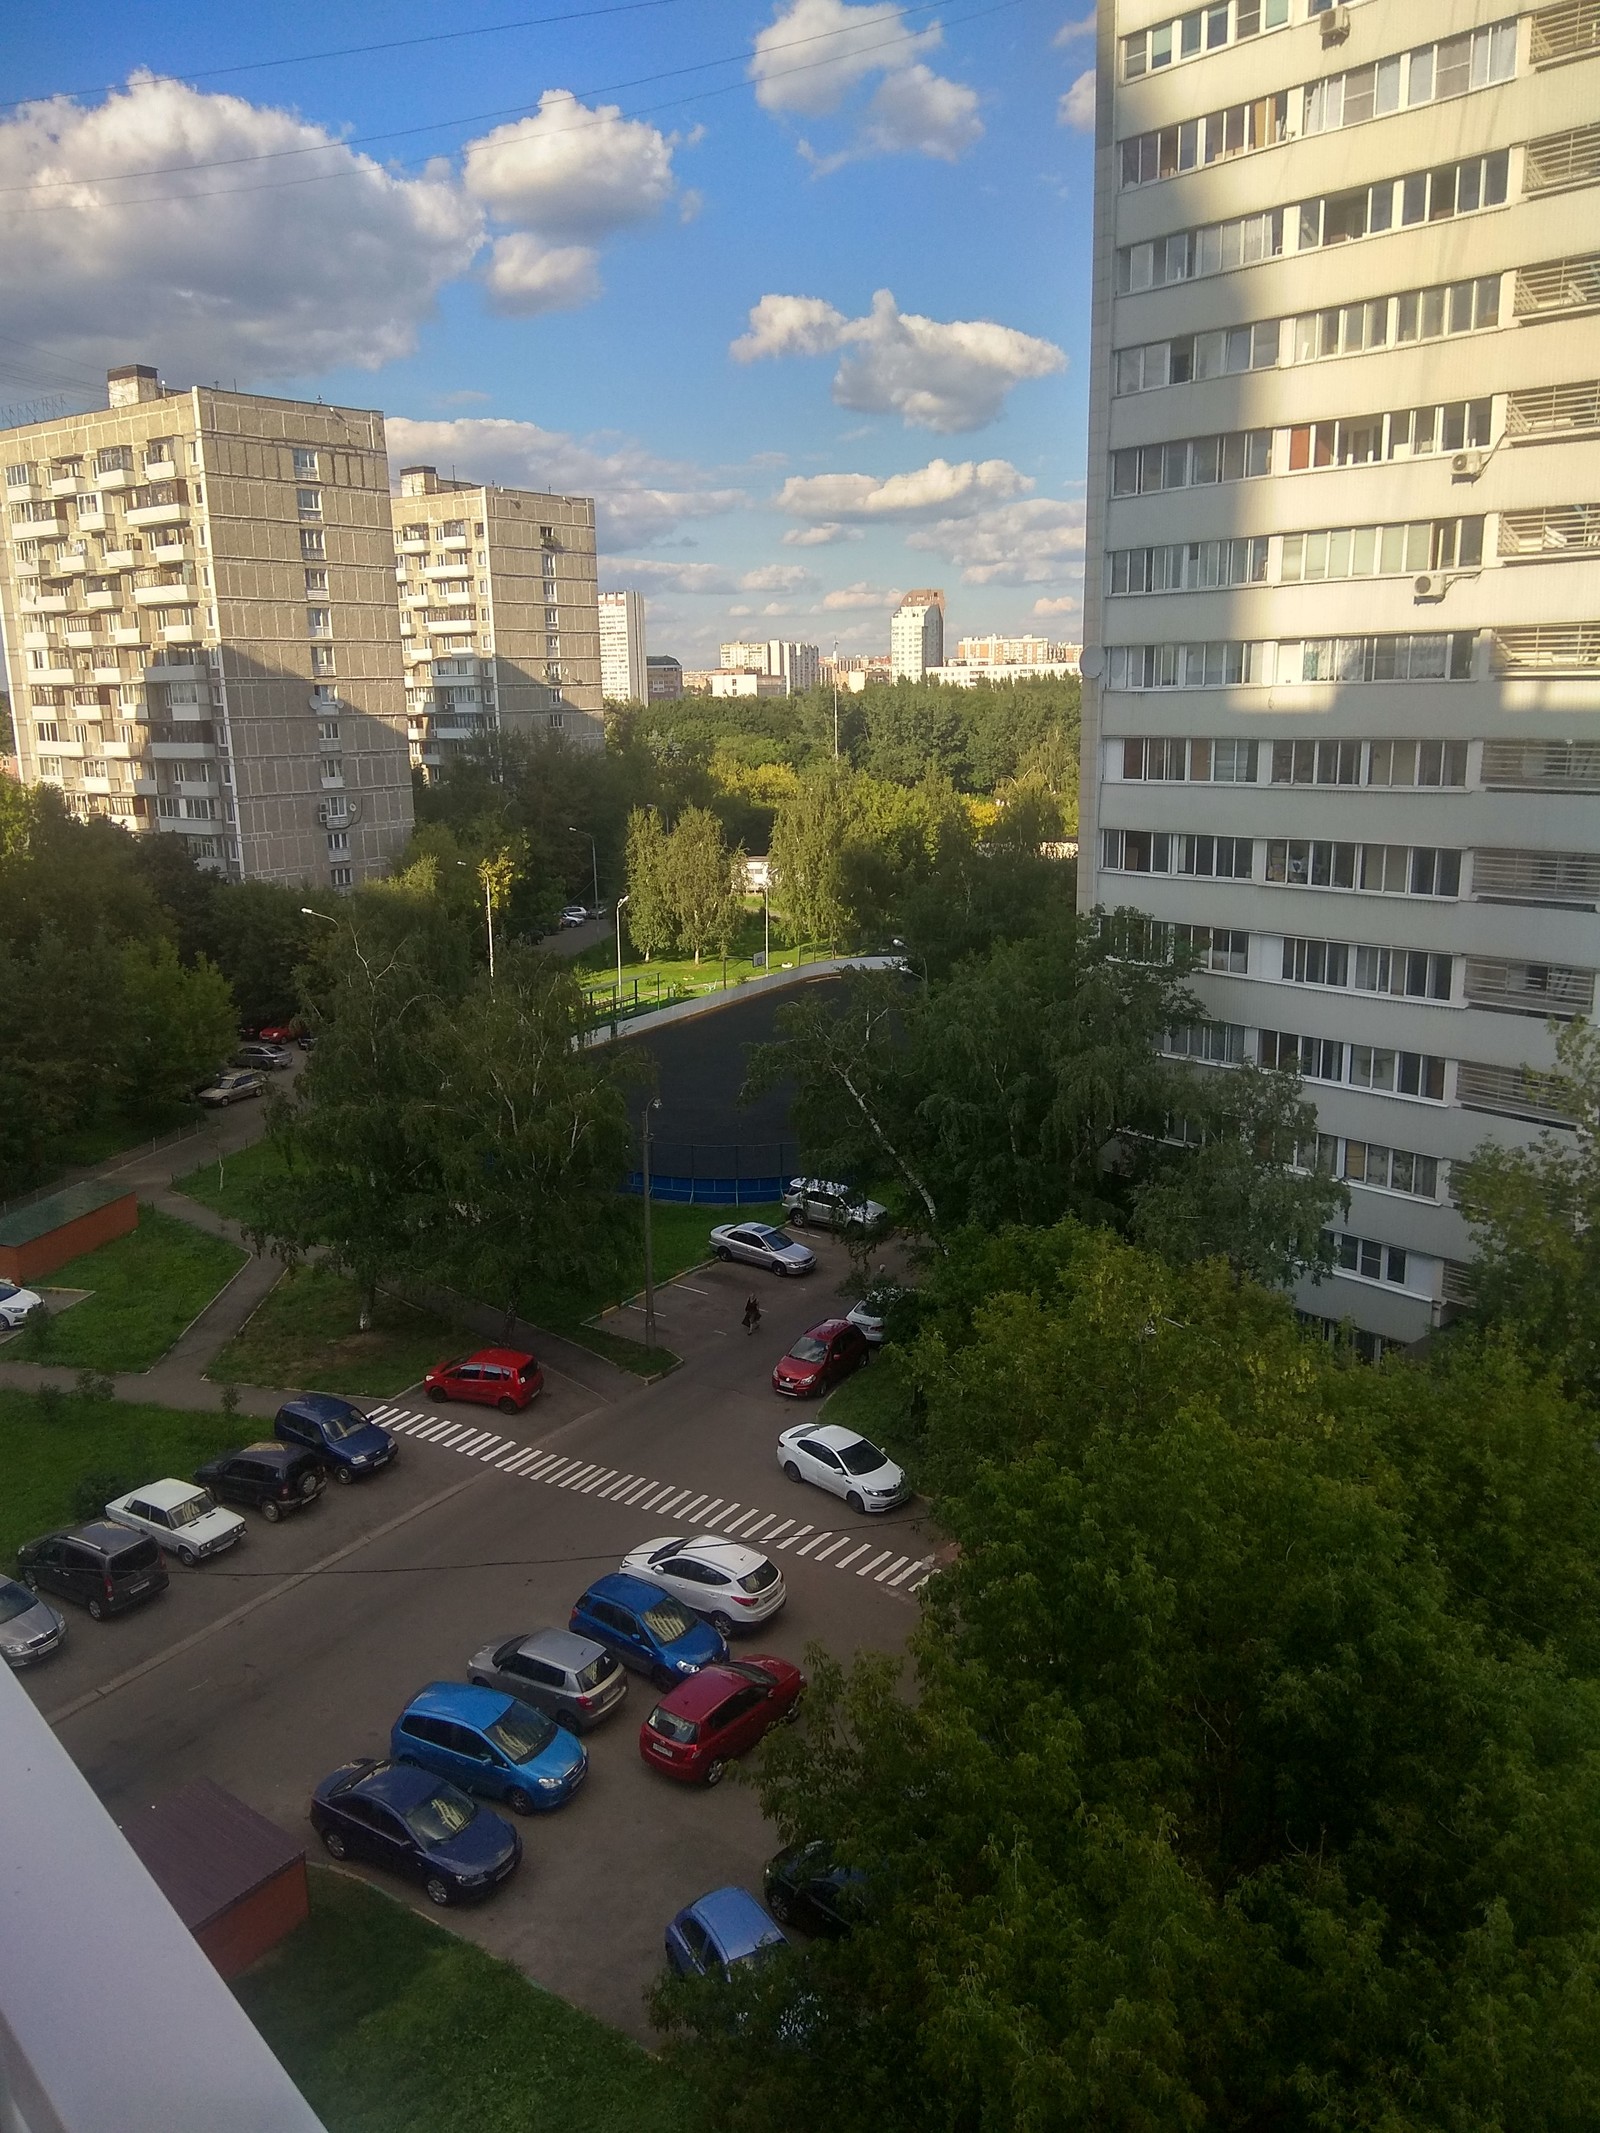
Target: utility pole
x=766, y=899
x=594, y=858
x=621, y=900
x=488, y=919
x=649, y=1264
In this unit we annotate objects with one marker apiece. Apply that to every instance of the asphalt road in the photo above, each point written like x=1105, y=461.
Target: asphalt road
x=294, y=1653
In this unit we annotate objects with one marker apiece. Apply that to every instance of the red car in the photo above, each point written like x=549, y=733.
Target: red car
x=494, y=1377
x=718, y=1713
x=820, y=1358
x=272, y=1032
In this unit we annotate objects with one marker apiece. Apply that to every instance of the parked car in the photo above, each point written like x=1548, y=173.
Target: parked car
x=806, y=1887
x=843, y=1462
x=400, y=1816
x=494, y=1377
x=718, y=1932
x=574, y=1680
x=272, y=1057
x=230, y=1089
x=30, y=1628
x=272, y=1478
x=16, y=1303
x=181, y=1516
x=274, y=1032
x=491, y=1743
x=733, y=1587
x=646, y=1628
x=348, y=1443
x=759, y=1244
x=105, y=1568
x=834, y=1206
x=575, y=915
x=307, y=1040
x=695, y=1731
x=821, y=1358
x=872, y=1312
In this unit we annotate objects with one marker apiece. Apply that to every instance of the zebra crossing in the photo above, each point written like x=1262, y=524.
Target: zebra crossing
x=715, y=1514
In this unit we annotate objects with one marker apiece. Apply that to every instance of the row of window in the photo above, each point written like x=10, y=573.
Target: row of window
x=1206, y=29
x=1383, y=763
x=1368, y=1257
x=1363, y=1066
x=1369, y=1163
x=1408, y=973
x=1292, y=862
x=1242, y=455
x=1303, y=558
x=1421, y=656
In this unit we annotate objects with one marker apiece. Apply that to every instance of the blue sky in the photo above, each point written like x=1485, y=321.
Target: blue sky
x=799, y=291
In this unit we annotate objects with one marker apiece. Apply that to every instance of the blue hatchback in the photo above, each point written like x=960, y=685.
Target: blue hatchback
x=719, y=1931
x=491, y=1743
x=646, y=1628
x=405, y=1819
x=348, y=1443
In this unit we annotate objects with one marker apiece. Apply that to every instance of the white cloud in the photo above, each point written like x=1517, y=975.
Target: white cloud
x=848, y=599
x=641, y=498
x=222, y=278
x=1068, y=604
x=936, y=374
x=823, y=536
x=1070, y=32
x=938, y=488
x=777, y=577
x=916, y=112
x=618, y=572
x=1076, y=108
x=527, y=276
x=812, y=55
x=571, y=172
x=1031, y=541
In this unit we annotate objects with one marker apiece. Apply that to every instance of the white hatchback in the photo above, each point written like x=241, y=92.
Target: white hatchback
x=843, y=1462
x=188, y=1521
x=15, y=1304
x=733, y=1587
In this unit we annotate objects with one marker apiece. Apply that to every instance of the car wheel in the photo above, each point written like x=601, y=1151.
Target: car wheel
x=437, y=1392
x=334, y=1845
x=507, y=1406
x=854, y=1501
x=792, y=1714
x=715, y=1772
x=344, y=1476
x=520, y=1802
x=780, y=1905
x=723, y=1626
x=187, y=1557
x=437, y=1889
x=864, y=1359
x=791, y=1471
x=97, y=1609
x=722, y=1252
x=270, y=1512
x=310, y=1485
x=797, y=1218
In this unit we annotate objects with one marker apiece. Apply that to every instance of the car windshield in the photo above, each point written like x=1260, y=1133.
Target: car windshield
x=774, y=1239
x=522, y=1734
x=596, y=1671
x=671, y=1727
x=808, y=1349
x=7, y=1289
x=15, y=1600
x=192, y=1509
x=339, y=1426
x=763, y=1575
x=862, y=1457
x=443, y=1815
x=668, y=1621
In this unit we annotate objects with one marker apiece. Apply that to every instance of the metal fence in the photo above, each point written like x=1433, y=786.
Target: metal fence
x=717, y=1173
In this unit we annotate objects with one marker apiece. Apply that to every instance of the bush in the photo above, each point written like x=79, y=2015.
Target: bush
x=37, y=1338
x=92, y=1385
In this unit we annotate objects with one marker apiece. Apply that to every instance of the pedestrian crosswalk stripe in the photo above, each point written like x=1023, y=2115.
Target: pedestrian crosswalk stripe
x=615, y=1488
x=542, y=1467
x=642, y=1489
x=431, y=1430
x=405, y=1424
x=495, y=1444
x=751, y=1532
x=380, y=1414
x=508, y=1462
x=726, y=1512
x=817, y=1542
x=741, y=1526
x=470, y=1442
x=866, y=1569
x=889, y=1569
x=703, y=1518
x=557, y=1467
x=832, y=1546
x=900, y=1576
x=589, y=1487
x=581, y=1472
x=688, y=1509
x=454, y=1435
x=845, y=1561
x=784, y=1528
x=799, y=1533
x=653, y=1498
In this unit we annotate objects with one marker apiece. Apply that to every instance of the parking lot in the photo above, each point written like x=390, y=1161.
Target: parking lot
x=269, y=1666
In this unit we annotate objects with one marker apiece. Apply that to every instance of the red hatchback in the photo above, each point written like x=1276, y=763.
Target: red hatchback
x=494, y=1377
x=820, y=1358
x=718, y=1713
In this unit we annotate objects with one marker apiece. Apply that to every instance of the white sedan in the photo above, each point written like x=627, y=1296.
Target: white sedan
x=15, y=1304
x=844, y=1463
x=733, y=1587
x=759, y=1244
x=187, y=1520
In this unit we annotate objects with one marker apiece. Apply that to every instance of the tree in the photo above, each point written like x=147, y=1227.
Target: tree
x=175, y=1025
x=259, y=937
x=705, y=882
x=806, y=855
x=651, y=919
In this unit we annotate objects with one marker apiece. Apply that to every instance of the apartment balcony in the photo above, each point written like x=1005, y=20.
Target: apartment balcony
x=102, y=603
x=145, y=785
x=411, y=547
x=106, y=671
x=101, y=785
x=160, y=469
x=48, y=675
x=65, y=484
x=118, y=559
x=175, y=513
x=456, y=542
x=80, y=632
x=167, y=592
x=69, y=566
x=44, y=518
x=444, y=570
x=43, y=604
x=128, y=633
x=91, y=521
x=181, y=633
x=170, y=551
x=414, y=599
x=113, y=477
x=174, y=751
x=158, y=668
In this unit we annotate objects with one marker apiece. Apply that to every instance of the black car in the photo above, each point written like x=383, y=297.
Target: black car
x=272, y=1478
x=406, y=1819
x=103, y=1567
x=804, y=1887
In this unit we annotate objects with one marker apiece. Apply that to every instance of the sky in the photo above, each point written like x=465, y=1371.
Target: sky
x=798, y=291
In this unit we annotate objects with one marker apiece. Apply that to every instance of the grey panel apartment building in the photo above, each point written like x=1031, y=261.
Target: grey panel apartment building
x=1342, y=696
x=197, y=597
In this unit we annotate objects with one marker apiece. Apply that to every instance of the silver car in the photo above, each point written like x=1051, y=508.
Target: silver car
x=575, y=1681
x=759, y=1244
x=30, y=1628
x=834, y=1206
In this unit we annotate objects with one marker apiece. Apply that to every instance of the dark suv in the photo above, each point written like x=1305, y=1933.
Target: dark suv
x=273, y=1478
x=343, y=1439
x=103, y=1567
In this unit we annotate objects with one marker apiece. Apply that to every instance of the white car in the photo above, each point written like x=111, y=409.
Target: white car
x=759, y=1244
x=869, y=1314
x=575, y=915
x=843, y=1462
x=834, y=1206
x=733, y=1587
x=230, y=1089
x=15, y=1304
x=184, y=1519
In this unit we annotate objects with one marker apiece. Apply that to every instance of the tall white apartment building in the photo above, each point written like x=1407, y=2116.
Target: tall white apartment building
x=1342, y=691
x=916, y=635
x=197, y=602
x=499, y=613
x=797, y=666
x=623, y=674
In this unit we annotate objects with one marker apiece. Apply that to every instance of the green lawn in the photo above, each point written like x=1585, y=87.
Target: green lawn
x=390, y=2024
x=665, y=977
x=146, y=1288
x=228, y=1186
x=64, y=1457
x=307, y=1332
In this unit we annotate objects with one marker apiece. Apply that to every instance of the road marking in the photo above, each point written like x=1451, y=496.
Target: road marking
x=453, y=1434
x=633, y=1495
x=784, y=1528
x=570, y=1481
x=900, y=1576
x=845, y=1561
x=722, y=1515
x=673, y=1505
x=867, y=1569
x=406, y=1425
x=917, y=1584
x=799, y=1533
x=770, y=1519
x=558, y=1466
x=689, y=1285
x=589, y=1487
x=615, y=1488
x=832, y=1545
x=431, y=1430
x=688, y=1509
x=816, y=1543
x=468, y=1444
x=495, y=1444
x=703, y=1518
x=511, y=1460
x=891, y=1568
x=654, y=1502
x=380, y=1414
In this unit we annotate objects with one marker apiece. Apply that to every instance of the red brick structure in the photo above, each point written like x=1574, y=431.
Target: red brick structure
x=237, y=1882
x=35, y=1240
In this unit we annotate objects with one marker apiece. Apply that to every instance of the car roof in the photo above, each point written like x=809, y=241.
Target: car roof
x=561, y=1648
x=709, y=1547
x=702, y=1692
x=398, y=1785
x=818, y=1185
x=835, y=1435
x=322, y=1407
x=163, y=1494
x=101, y=1533
x=461, y=1701
x=735, y=1921
x=516, y=1357
x=825, y=1329
x=626, y=1590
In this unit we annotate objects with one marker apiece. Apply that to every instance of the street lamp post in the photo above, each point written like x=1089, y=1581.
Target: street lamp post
x=594, y=858
x=766, y=900
x=621, y=900
x=488, y=913
x=649, y=1265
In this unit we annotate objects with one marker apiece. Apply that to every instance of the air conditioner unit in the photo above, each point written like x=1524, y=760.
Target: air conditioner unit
x=1335, y=25
x=1430, y=586
x=1467, y=466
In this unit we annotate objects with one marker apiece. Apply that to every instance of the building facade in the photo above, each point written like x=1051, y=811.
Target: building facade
x=743, y=681
x=797, y=666
x=196, y=595
x=996, y=673
x=499, y=614
x=1342, y=694
x=623, y=672
x=663, y=678
x=916, y=635
x=1029, y=651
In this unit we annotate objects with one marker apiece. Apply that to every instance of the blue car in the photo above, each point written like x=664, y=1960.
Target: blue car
x=646, y=1628
x=406, y=1819
x=491, y=1743
x=719, y=1931
x=348, y=1443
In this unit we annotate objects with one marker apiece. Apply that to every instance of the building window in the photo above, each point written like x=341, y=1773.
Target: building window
x=313, y=542
x=1427, y=74
x=1315, y=1058
x=1191, y=462
x=328, y=731
x=338, y=843
x=1214, y=1043
x=306, y=467
x=1428, y=657
x=1377, y=869
x=1370, y=1259
x=1187, y=666
x=316, y=581
x=1186, y=255
x=333, y=767
x=322, y=661
x=319, y=621
x=1190, y=566
x=1397, y=1073
x=309, y=502
x=341, y=877
x=1399, y=203
x=1382, y=551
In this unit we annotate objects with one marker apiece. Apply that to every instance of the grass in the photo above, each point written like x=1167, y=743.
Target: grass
x=228, y=1186
x=64, y=1456
x=146, y=1287
x=306, y=1331
x=390, y=2024
x=664, y=978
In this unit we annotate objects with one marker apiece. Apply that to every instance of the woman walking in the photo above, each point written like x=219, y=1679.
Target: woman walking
x=752, y=1315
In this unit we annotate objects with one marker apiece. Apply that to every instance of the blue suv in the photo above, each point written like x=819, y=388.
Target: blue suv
x=646, y=1628
x=348, y=1443
x=490, y=1743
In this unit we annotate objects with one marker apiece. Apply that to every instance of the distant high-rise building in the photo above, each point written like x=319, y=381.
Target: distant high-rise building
x=797, y=666
x=622, y=653
x=1340, y=731
x=916, y=635
x=663, y=678
x=197, y=599
x=1028, y=651
x=499, y=613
